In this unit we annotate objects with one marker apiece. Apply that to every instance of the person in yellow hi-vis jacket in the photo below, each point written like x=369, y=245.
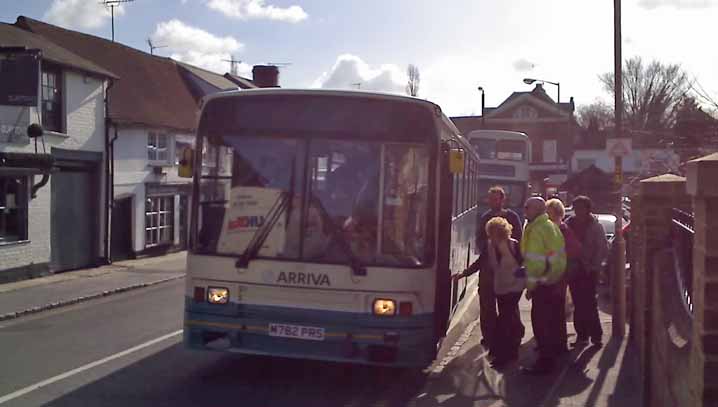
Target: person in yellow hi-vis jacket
x=544, y=254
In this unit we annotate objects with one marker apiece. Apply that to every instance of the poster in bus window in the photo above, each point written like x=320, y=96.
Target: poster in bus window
x=405, y=181
x=247, y=212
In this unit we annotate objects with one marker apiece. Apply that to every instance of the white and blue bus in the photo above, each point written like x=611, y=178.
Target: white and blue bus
x=327, y=225
x=505, y=157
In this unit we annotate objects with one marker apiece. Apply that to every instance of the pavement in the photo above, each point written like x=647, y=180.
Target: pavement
x=40, y=294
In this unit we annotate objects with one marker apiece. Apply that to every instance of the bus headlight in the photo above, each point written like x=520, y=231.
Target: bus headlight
x=384, y=308
x=217, y=295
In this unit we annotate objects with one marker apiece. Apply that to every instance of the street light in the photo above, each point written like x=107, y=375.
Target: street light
x=481, y=89
x=530, y=81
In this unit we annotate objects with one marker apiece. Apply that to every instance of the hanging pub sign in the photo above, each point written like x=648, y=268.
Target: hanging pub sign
x=19, y=76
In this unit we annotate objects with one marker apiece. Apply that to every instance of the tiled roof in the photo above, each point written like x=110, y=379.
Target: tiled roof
x=12, y=36
x=218, y=81
x=151, y=90
x=243, y=83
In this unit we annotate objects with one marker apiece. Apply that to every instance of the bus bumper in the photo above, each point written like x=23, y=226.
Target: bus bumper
x=348, y=337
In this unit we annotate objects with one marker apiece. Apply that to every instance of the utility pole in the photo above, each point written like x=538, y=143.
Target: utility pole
x=619, y=275
x=112, y=4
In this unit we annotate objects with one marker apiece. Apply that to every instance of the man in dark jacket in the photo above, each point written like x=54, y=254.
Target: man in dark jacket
x=487, y=297
x=582, y=283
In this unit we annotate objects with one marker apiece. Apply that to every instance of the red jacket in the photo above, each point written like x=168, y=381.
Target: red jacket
x=573, y=246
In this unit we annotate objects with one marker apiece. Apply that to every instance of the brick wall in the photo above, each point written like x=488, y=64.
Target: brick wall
x=703, y=188
x=679, y=366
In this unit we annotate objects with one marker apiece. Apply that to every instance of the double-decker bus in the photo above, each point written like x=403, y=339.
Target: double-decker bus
x=505, y=157
x=327, y=225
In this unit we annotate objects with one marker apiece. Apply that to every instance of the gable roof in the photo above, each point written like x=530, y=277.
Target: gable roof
x=12, y=36
x=218, y=81
x=243, y=83
x=538, y=96
x=150, y=91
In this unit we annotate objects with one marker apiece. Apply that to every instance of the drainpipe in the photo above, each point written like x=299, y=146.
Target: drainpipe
x=109, y=181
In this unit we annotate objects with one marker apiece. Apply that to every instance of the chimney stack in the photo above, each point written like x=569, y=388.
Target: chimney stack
x=265, y=76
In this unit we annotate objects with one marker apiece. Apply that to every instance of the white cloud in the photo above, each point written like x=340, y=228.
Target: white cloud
x=651, y=4
x=523, y=65
x=197, y=47
x=81, y=14
x=350, y=70
x=256, y=9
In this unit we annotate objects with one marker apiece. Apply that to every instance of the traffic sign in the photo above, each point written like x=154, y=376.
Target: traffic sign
x=618, y=147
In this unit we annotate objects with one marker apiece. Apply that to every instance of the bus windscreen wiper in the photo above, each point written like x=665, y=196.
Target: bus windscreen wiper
x=358, y=269
x=250, y=253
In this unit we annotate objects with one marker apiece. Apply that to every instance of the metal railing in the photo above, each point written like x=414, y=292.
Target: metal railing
x=682, y=232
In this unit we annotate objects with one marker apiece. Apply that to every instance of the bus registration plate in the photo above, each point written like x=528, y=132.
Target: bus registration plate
x=296, y=331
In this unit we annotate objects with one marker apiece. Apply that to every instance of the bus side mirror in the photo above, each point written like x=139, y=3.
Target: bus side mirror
x=185, y=164
x=456, y=160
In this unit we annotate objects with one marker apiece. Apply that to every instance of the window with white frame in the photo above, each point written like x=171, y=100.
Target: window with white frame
x=159, y=220
x=13, y=209
x=159, y=149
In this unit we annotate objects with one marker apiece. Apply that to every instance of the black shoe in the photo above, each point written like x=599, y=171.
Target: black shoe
x=501, y=362
x=580, y=342
x=596, y=341
x=540, y=368
x=562, y=350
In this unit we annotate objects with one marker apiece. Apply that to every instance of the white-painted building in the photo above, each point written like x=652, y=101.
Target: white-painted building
x=640, y=161
x=52, y=188
x=152, y=116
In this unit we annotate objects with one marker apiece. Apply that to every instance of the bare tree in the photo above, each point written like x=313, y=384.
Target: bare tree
x=651, y=93
x=704, y=96
x=412, y=85
x=598, y=115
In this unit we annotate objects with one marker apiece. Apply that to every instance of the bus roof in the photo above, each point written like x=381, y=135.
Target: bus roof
x=319, y=92
x=505, y=134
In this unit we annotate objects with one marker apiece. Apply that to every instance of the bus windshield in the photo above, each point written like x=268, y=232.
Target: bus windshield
x=373, y=196
x=491, y=149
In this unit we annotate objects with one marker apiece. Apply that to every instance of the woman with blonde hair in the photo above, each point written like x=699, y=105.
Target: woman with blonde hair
x=504, y=258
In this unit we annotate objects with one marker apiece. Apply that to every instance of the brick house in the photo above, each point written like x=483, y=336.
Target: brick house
x=551, y=127
x=53, y=188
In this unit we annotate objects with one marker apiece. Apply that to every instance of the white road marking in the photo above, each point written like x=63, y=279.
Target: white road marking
x=81, y=369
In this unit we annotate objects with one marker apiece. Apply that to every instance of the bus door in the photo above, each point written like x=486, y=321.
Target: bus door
x=442, y=300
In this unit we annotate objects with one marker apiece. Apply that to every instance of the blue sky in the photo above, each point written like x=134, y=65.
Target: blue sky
x=457, y=44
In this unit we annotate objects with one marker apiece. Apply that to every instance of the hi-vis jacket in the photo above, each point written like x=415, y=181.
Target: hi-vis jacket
x=544, y=253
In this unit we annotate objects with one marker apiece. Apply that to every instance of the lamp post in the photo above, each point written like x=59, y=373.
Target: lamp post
x=530, y=81
x=481, y=89
x=619, y=279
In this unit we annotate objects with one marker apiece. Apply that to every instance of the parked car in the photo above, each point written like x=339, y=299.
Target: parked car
x=608, y=222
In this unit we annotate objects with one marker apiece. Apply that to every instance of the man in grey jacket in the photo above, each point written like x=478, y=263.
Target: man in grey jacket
x=583, y=279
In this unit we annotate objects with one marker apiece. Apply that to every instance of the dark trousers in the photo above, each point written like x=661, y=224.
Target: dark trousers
x=487, y=308
x=585, y=314
x=509, y=330
x=563, y=341
x=548, y=319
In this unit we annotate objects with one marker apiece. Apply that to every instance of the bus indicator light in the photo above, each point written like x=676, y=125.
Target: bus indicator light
x=406, y=308
x=199, y=294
